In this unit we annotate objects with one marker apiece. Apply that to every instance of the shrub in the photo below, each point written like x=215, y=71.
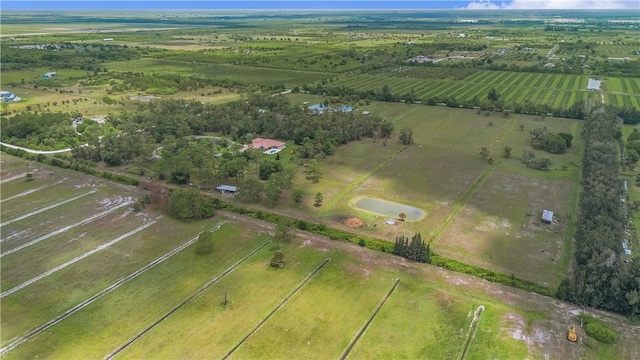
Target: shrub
x=597, y=330
x=204, y=244
x=277, y=260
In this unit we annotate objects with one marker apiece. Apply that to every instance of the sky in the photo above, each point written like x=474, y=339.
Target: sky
x=316, y=4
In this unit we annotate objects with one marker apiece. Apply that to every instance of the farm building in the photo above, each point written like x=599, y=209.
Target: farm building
x=7, y=96
x=267, y=146
x=227, y=189
x=594, y=84
x=50, y=75
x=319, y=109
x=366, y=112
x=547, y=216
x=549, y=65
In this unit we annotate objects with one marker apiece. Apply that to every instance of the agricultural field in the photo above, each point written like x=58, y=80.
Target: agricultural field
x=129, y=285
x=243, y=74
x=555, y=90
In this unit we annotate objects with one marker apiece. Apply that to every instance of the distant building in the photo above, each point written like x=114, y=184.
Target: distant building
x=107, y=39
x=7, y=96
x=227, y=189
x=594, y=84
x=549, y=65
x=547, y=216
x=366, y=112
x=267, y=146
x=50, y=75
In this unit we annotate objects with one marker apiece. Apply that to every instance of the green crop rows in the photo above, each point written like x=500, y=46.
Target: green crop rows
x=555, y=90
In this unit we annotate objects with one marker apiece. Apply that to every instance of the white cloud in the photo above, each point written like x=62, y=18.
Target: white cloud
x=482, y=4
x=557, y=4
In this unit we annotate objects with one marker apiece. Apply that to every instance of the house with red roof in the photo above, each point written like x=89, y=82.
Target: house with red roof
x=267, y=146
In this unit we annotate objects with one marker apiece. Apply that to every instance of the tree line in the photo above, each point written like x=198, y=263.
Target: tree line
x=601, y=277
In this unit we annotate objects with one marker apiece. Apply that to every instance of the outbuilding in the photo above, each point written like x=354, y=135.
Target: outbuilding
x=547, y=216
x=227, y=189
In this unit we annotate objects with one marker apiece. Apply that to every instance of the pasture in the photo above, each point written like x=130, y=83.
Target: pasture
x=480, y=213
x=143, y=266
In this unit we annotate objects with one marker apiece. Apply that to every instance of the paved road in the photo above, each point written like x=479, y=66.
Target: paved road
x=35, y=151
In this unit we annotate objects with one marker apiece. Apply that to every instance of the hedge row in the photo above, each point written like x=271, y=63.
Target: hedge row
x=490, y=275
x=62, y=162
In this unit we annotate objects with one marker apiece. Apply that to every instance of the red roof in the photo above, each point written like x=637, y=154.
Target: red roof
x=265, y=143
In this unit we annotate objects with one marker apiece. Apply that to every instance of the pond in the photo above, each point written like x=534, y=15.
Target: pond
x=388, y=208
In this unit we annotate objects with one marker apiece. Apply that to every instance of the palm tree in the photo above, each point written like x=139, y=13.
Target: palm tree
x=402, y=216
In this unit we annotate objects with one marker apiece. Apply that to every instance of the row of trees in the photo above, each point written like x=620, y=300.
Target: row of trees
x=415, y=250
x=601, y=278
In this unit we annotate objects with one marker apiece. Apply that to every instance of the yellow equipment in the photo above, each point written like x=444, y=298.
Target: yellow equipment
x=572, y=335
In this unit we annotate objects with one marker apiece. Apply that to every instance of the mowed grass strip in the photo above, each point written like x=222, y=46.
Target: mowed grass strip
x=23, y=265
x=112, y=320
x=34, y=205
x=30, y=190
x=40, y=178
x=55, y=294
x=20, y=232
x=434, y=331
x=320, y=322
x=206, y=328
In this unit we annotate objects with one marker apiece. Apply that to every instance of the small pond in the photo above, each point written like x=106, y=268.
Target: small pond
x=388, y=208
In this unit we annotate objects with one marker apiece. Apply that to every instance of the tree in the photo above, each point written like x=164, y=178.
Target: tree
x=297, y=195
x=402, y=216
x=277, y=260
x=484, y=152
x=490, y=161
x=506, y=152
x=318, y=200
x=272, y=192
x=406, y=136
x=283, y=232
x=493, y=95
x=250, y=190
x=204, y=244
x=555, y=144
x=386, y=128
x=28, y=177
x=313, y=171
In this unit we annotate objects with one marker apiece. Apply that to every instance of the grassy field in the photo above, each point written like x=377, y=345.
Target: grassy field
x=488, y=215
x=427, y=314
x=243, y=74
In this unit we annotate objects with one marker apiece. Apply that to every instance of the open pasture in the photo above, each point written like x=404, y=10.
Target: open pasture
x=466, y=200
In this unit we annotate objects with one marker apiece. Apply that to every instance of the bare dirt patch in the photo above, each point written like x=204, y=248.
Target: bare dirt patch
x=354, y=222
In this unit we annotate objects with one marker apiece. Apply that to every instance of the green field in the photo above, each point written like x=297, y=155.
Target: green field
x=557, y=91
x=318, y=321
x=242, y=74
x=478, y=213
